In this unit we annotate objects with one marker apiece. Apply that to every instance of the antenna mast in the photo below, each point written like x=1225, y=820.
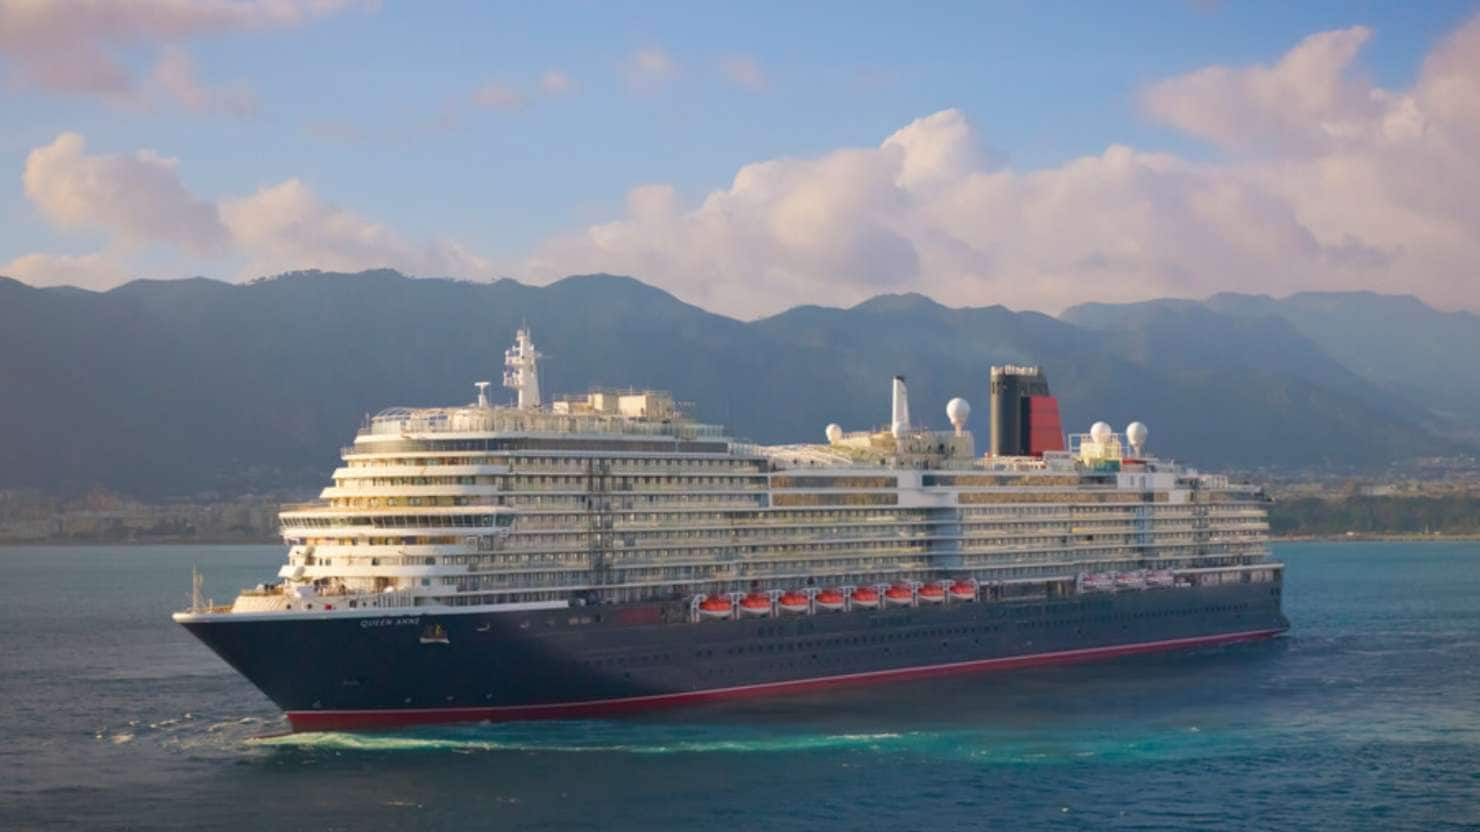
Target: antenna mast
x=521, y=373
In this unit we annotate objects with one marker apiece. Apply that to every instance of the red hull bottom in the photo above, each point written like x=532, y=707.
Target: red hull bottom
x=330, y=720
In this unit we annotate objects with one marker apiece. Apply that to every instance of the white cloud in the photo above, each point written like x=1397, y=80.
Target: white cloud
x=497, y=96
x=649, y=68
x=74, y=46
x=555, y=82
x=286, y=227
x=87, y=271
x=744, y=72
x=139, y=200
x=1306, y=102
x=1331, y=183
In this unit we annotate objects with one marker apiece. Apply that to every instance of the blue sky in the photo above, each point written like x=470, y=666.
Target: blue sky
x=373, y=110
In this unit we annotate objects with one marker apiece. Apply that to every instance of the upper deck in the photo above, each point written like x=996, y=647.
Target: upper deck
x=475, y=421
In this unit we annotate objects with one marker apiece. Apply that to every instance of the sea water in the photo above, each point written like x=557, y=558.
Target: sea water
x=1366, y=716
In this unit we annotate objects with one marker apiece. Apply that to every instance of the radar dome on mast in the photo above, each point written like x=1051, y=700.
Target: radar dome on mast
x=834, y=433
x=1135, y=433
x=958, y=410
x=1100, y=432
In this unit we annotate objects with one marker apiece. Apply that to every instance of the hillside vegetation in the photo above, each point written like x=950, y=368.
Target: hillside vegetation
x=197, y=386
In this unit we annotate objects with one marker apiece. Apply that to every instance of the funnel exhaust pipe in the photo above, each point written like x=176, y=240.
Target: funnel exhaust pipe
x=900, y=422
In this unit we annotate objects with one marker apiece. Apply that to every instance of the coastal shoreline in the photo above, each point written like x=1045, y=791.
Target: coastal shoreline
x=1376, y=537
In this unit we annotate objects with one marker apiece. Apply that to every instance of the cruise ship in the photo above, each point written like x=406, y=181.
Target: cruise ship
x=605, y=553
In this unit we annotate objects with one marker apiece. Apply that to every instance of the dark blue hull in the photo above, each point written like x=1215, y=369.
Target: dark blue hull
x=337, y=672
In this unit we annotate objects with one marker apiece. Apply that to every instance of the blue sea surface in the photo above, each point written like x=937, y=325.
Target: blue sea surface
x=1366, y=716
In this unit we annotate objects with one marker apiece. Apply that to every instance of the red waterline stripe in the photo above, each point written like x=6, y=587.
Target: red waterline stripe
x=391, y=717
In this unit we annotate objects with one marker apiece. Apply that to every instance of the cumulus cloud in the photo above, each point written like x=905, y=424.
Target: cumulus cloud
x=1306, y=102
x=88, y=271
x=649, y=68
x=744, y=72
x=1329, y=182
x=74, y=47
x=286, y=226
x=139, y=199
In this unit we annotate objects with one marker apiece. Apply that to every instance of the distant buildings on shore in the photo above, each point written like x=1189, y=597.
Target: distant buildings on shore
x=30, y=517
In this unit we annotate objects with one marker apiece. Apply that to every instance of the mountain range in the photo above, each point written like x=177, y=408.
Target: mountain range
x=161, y=388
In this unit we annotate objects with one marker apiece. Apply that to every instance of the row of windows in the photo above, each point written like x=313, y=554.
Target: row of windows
x=976, y=497
x=567, y=463
x=555, y=445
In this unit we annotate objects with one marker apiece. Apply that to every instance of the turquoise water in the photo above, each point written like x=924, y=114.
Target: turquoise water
x=1367, y=716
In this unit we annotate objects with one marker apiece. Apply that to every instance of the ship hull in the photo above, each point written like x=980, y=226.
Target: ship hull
x=337, y=672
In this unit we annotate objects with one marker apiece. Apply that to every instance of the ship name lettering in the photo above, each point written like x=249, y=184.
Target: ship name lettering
x=391, y=622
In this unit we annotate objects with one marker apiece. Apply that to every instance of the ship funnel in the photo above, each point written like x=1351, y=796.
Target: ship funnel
x=1023, y=415
x=900, y=423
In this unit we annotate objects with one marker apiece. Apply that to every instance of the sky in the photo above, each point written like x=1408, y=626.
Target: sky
x=751, y=157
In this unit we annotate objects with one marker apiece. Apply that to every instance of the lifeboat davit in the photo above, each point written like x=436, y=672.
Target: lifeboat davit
x=932, y=593
x=829, y=599
x=899, y=596
x=866, y=597
x=963, y=591
x=792, y=602
x=755, y=604
x=715, y=606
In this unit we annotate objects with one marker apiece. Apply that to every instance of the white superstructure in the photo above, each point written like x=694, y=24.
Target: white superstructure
x=617, y=496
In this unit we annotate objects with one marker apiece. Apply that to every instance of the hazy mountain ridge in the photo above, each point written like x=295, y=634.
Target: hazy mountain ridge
x=1411, y=356
x=168, y=387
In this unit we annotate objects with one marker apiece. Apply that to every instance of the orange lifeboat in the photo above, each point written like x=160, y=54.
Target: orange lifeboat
x=932, y=593
x=963, y=591
x=755, y=604
x=715, y=606
x=792, y=601
x=829, y=599
x=899, y=596
x=866, y=597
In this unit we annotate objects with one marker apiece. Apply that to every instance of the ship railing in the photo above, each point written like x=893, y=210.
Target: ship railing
x=389, y=599
x=309, y=506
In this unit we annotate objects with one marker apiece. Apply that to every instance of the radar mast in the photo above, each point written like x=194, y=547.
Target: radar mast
x=521, y=373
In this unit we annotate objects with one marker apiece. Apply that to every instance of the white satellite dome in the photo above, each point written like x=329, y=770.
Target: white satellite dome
x=958, y=410
x=1135, y=433
x=834, y=433
x=1100, y=432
